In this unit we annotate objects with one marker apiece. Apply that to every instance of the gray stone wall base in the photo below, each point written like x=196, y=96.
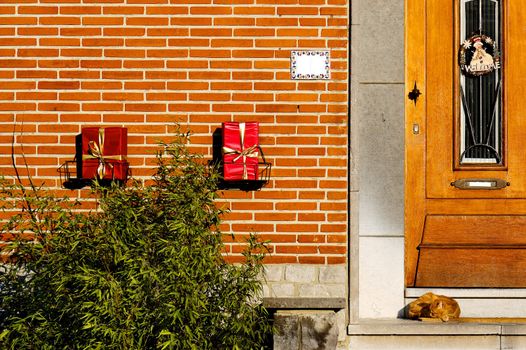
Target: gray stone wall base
x=305, y=330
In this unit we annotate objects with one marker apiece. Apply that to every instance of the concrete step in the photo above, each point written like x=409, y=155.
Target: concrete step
x=408, y=335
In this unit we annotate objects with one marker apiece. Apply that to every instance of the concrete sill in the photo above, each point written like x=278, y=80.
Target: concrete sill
x=305, y=303
x=409, y=327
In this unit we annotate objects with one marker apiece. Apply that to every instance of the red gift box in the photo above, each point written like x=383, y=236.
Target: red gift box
x=240, y=151
x=104, y=153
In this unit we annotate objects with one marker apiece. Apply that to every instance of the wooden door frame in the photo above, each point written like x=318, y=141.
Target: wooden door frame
x=415, y=133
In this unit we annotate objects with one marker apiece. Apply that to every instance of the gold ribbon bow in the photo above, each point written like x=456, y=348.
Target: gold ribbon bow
x=96, y=151
x=250, y=152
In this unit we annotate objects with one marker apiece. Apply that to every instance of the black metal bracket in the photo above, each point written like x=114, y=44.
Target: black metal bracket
x=414, y=94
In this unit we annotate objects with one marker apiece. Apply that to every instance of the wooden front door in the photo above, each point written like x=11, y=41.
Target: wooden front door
x=465, y=189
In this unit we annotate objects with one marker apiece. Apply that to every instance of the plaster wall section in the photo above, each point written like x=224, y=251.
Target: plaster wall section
x=377, y=127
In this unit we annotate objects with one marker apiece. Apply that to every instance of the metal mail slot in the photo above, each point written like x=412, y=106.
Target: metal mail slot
x=480, y=184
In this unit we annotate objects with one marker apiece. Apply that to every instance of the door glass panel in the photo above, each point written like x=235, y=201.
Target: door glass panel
x=480, y=82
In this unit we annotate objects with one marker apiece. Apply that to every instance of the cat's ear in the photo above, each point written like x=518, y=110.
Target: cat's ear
x=440, y=304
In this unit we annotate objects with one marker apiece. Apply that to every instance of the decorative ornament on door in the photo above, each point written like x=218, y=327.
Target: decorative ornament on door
x=479, y=55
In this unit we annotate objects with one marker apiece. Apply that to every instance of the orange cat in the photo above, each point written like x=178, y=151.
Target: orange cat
x=431, y=305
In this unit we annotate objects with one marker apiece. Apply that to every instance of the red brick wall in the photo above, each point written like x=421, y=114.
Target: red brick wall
x=146, y=64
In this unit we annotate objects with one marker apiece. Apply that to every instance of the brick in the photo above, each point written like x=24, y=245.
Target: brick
x=252, y=53
x=334, y=238
x=276, y=43
x=59, y=85
x=145, y=64
x=309, y=238
x=7, y=96
x=101, y=85
x=252, y=75
x=17, y=106
x=296, y=249
x=79, y=96
x=232, y=43
x=191, y=21
x=186, y=64
x=81, y=52
x=86, y=74
x=149, y=42
x=166, y=10
x=122, y=96
x=314, y=22
x=274, y=86
x=168, y=32
x=333, y=11
x=123, y=10
x=17, y=63
x=39, y=10
x=7, y=10
x=59, y=106
x=167, y=53
x=297, y=206
x=59, y=42
x=96, y=21
x=254, y=32
x=231, y=64
x=297, y=97
x=17, y=41
x=122, y=75
x=14, y=20
x=271, y=65
x=124, y=31
x=44, y=31
x=252, y=97
x=145, y=107
x=102, y=42
x=212, y=10
x=144, y=85
x=124, y=118
x=276, y=108
x=165, y=75
x=254, y=10
x=289, y=227
x=17, y=85
x=231, y=86
x=80, y=10
x=295, y=11
x=147, y=21
x=234, y=21
x=188, y=107
x=208, y=75
x=36, y=74
x=38, y=52
x=58, y=63
x=166, y=96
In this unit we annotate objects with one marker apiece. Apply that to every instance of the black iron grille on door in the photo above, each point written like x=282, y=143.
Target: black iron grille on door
x=481, y=96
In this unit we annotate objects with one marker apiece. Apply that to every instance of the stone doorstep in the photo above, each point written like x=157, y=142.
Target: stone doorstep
x=394, y=327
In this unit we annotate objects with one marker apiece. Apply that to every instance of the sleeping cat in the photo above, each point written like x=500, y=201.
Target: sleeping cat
x=431, y=305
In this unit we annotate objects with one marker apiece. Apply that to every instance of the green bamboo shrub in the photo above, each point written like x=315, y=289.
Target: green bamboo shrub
x=145, y=271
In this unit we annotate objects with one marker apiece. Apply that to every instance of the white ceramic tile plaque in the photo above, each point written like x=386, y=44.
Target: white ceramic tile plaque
x=310, y=65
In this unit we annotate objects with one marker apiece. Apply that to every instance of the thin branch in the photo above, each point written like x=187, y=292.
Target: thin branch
x=30, y=210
